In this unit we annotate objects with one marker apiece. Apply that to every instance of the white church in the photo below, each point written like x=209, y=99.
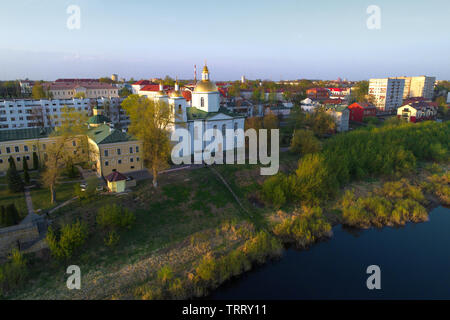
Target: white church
x=202, y=114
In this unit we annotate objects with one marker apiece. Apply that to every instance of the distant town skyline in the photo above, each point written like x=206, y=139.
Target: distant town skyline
x=273, y=40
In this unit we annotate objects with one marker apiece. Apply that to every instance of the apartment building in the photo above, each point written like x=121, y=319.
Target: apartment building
x=29, y=113
x=387, y=93
x=422, y=86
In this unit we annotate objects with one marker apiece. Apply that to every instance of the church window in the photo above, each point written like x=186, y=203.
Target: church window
x=202, y=102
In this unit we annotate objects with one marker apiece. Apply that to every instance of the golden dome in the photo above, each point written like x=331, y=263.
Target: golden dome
x=205, y=86
x=176, y=94
x=205, y=69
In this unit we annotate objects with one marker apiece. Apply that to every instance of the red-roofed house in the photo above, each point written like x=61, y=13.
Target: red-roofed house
x=339, y=93
x=116, y=181
x=361, y=110
x=318, y=93
x=137, y=86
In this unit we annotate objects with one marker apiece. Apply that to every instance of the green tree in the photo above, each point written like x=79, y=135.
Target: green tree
x=35, y=161
x=360, y=92
x=63, y=244
x=72, y=128
x=149, y=123
x=124, y=92
x=38, y=92
x=26, y=174
x=305, y=142
x=10, y=215
x=15, y=183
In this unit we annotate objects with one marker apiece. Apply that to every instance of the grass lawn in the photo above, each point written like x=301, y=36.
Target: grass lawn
x=41, y=197
x=17, y=198
x=186, y=202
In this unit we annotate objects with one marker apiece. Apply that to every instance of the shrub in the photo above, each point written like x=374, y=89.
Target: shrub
x=15, y=183
x=63, y=244
x=13, y=273
x=304, y=228
x=9, y=216
x=165, y=274
x=305, y=142
x=113, y=216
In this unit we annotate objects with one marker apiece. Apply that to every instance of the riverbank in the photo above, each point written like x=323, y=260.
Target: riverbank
x=163, y=256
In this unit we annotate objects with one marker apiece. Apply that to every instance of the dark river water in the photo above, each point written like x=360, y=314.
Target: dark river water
x=414, y=261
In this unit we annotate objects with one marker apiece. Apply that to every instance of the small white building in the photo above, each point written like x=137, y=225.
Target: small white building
x=341, y=114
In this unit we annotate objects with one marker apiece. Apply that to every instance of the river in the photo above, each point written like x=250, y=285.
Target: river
x=414, y=261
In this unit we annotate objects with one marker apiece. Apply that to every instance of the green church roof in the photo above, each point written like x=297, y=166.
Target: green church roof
x=24, y=134
x=194, y=113
x=98, y=119
x=103, y=134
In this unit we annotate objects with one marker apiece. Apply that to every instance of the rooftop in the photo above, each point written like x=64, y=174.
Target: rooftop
x=115, y=176
x=195, y=114
x=104, y=134
x=98, y=119
x=24, y=134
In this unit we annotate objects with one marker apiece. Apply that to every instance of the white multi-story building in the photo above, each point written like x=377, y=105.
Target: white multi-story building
x=421, y=86
x=387, y=93
x=29, y=113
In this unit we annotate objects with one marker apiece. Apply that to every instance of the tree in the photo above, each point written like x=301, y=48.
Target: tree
x=9, y=216
x=63, y=244
x=35, y=161
x=360, y=92
x=15, y=183
x=320, y=122
x=298, y=98
x=124, y=92
x=26, y=174
x=38, y=91
x=80, y=95
x=305, y=142
x=61, y=151
x=149, y=123
x=270, y=121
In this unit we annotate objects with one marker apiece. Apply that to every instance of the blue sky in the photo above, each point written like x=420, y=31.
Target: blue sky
x=282, y=39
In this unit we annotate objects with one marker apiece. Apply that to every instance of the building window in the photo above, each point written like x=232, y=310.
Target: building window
x=25, y=148
x=137, y=159
x=118, y=151
x=1, y=160
x=74, y=143
x=131, y=159
x=43, y=146
x=132, y=167
x=16, y=149
x=106, y=163
x=119, y=161
x=106, y=153
x=18, y=159
x=131, y=149
x=137, y=149
x=27, y=157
